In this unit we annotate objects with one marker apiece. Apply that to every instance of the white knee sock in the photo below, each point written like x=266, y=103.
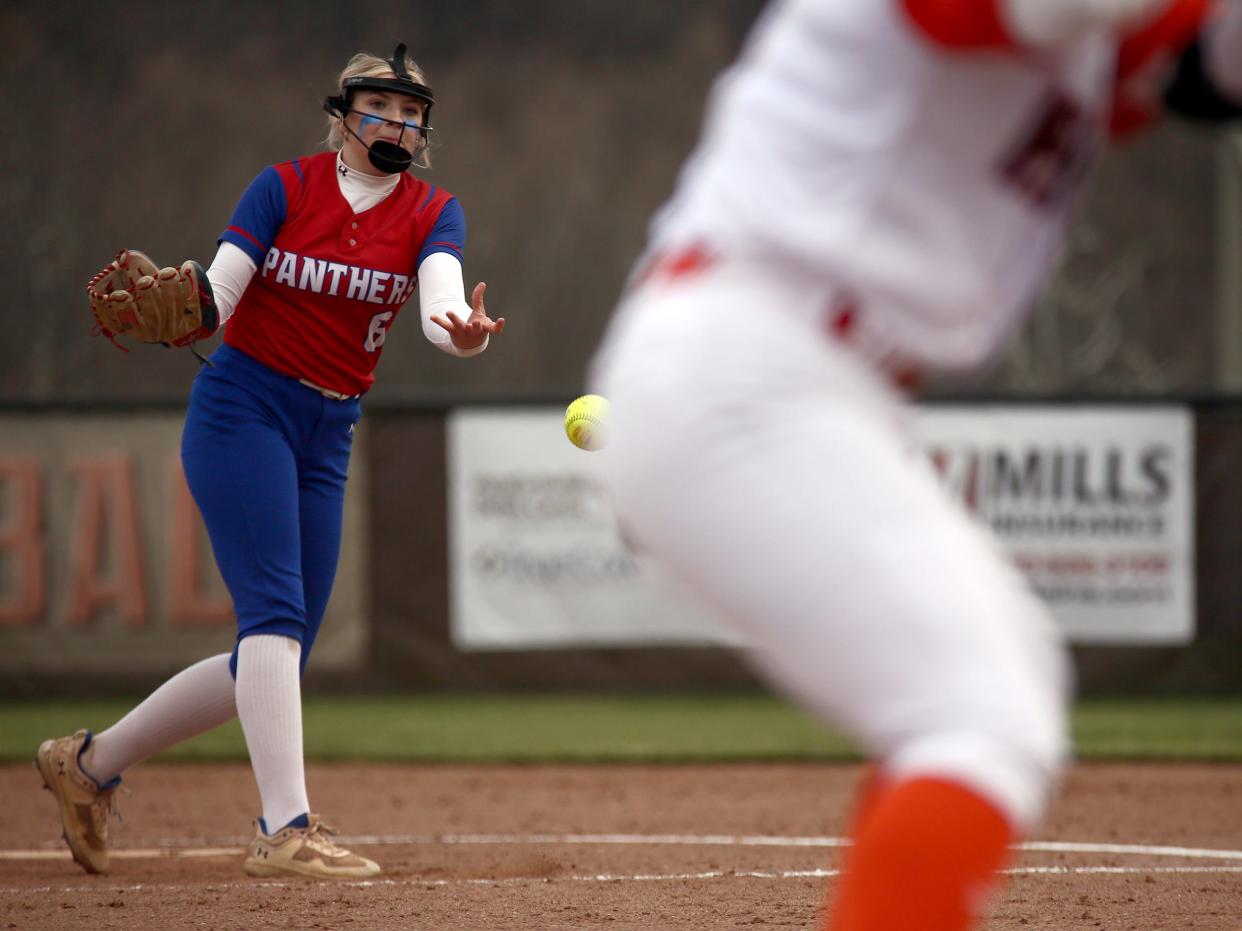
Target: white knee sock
x=191, y=702
x=269, y=703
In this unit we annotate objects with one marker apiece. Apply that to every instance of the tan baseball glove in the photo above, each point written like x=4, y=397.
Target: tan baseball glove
x=134, y=297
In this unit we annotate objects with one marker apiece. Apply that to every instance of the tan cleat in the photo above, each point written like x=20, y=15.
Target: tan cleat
x=308, y=851
x=84, y=804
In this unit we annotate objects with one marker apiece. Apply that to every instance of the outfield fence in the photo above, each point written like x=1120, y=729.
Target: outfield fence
x=479, y=551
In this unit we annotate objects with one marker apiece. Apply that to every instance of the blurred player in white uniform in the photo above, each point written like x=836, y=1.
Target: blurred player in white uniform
x=879, y=190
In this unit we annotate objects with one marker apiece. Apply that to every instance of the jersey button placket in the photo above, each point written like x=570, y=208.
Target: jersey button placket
x=348, y=234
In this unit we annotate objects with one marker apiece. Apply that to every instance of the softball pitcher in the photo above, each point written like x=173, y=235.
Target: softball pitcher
x=318, y=258
x=877, y=194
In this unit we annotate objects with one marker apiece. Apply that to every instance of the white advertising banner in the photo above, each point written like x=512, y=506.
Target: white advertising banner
x=535, y=555
x=1094, y=503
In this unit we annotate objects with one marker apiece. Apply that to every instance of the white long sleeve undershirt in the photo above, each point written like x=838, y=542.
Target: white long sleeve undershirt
x=229, y=274
x=440, y=285
x=440, y=290
x=1049, y=22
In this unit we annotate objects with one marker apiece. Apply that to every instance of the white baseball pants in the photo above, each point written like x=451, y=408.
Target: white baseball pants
x=765, y=463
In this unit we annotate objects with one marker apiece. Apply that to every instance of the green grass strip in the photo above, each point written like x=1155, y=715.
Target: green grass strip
x=614, y=729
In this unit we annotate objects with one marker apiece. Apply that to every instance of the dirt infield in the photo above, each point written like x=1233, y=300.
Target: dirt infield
x=616, y=847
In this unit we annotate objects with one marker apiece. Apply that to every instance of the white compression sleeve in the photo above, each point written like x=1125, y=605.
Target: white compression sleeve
x=191, y=702
x=441, y=289
x=1049, y=22
x=1222, y=52
x=269, y=704
x=229, y=275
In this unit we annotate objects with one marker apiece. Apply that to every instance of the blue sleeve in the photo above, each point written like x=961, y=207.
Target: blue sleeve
x=448, y=234
x=258, y=215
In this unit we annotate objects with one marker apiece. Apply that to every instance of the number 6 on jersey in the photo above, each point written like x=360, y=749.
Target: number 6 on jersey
x=377, y=331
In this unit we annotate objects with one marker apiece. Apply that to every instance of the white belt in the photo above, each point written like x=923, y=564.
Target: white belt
x=843, y=324
x=327, y=392
x=841, y=318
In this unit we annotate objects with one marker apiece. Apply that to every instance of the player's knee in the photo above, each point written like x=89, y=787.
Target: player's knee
x=290, y=629
x=293, y=628
x=1016, y=767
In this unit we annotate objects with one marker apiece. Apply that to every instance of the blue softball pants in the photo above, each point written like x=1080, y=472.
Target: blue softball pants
x=266, y=459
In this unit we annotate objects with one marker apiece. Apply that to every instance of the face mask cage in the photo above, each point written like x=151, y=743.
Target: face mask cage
x=387, y=156
x=418, y=129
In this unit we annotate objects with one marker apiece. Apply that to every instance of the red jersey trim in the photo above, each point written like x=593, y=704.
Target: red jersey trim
x=960, y=23
x=1142, y=58
x=294, y=177
x=1171, y=32
x=241, y=232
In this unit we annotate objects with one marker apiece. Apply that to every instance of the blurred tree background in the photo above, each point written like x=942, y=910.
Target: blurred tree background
x=560, y=125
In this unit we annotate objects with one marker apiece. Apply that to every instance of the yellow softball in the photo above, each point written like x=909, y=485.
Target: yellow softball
x=586, y=422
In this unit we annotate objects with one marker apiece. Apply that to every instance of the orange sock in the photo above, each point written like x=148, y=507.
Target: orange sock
x=925, y=858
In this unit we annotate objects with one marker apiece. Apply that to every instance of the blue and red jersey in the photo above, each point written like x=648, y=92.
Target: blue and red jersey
x=330, y=281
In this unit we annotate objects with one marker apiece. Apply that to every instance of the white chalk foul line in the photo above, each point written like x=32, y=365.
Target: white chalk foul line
x=129, y=853
x=763, y=840
x=162, y=888
x=174, y=847
x=180, y=848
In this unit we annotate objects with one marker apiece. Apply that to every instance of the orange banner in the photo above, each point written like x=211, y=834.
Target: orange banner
x=105, y=564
